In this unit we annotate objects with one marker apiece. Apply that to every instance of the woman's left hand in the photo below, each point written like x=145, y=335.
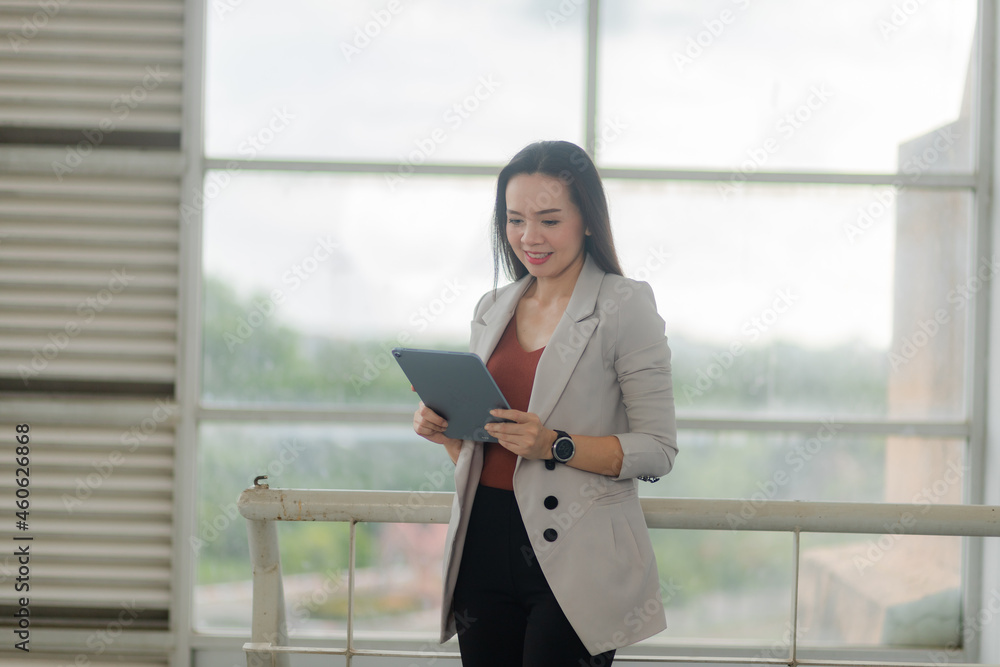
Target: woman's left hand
x=526, y=436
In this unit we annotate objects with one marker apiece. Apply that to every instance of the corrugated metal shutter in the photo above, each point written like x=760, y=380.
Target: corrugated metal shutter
x=100, y=511
x=88, y=269
x=90, y=167
x=77, y=64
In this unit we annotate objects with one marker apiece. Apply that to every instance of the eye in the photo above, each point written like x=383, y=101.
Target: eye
x=550, y=223
x=514, y=221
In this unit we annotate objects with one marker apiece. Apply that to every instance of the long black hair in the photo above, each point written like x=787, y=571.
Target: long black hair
x=571, y=165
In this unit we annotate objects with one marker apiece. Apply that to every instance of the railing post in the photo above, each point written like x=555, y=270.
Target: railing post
x=268, y=626
x=794, y=626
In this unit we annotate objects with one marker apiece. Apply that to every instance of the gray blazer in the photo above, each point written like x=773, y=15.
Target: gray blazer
x=605, y=371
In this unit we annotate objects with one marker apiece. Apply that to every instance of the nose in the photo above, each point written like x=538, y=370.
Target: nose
x=532, y=234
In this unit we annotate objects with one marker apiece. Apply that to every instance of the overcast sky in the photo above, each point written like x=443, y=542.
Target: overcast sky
x=710, y=85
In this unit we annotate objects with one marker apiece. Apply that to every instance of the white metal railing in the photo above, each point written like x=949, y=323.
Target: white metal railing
x=263, y=506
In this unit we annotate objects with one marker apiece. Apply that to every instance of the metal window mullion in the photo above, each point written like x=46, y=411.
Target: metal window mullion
x=977, y=342
x=978, y=332
x=590, y=120
x=187, y=381
x=941, y=429
x=956, y=180
x=401, y=416
x=331, y=166
x=929, y=180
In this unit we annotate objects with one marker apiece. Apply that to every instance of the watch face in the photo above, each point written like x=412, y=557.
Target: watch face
x=564, y=449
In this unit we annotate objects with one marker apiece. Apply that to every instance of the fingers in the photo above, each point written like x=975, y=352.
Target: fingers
x=523, y=431
x=526, y=437
x=513, y=415
x=509, y=431
x=428, y=424
x=432, y=417
x=424, y=427
x=431, y=426
x=518, y=422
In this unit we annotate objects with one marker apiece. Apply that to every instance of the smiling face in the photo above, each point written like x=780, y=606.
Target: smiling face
x=544, y=226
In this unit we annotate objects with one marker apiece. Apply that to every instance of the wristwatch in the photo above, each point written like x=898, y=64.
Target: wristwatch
x=563, y=448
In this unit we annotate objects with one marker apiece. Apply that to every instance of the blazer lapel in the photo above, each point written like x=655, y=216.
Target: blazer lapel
x=567, y=343
x=487, y=331
x=564, y=348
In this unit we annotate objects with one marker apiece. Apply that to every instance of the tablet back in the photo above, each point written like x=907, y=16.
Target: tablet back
x=457, y=386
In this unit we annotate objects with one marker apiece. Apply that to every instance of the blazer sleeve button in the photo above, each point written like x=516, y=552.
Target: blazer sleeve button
x=550, y=534
x=551, y=503
x=550, y=464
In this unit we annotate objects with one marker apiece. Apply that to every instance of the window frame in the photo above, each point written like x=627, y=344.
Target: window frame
x=971, y=426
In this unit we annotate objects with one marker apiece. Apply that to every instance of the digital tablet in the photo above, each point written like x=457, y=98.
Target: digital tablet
x=457, y=386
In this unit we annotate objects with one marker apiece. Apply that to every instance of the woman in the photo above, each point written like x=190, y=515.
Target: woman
x=548, y=559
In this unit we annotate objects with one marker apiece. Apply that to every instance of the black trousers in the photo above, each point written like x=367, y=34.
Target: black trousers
x=506, y=613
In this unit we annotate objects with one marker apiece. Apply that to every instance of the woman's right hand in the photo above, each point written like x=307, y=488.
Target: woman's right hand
x=430, y=426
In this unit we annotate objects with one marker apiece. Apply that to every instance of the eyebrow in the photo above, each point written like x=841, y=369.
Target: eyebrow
x=545, y=212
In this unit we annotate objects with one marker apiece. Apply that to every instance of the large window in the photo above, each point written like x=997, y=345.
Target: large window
x=797, y=182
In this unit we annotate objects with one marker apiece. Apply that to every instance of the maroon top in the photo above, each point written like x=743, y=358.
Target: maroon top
x=513, y=369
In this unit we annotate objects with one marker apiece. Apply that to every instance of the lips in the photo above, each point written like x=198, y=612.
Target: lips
x=537, y=257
